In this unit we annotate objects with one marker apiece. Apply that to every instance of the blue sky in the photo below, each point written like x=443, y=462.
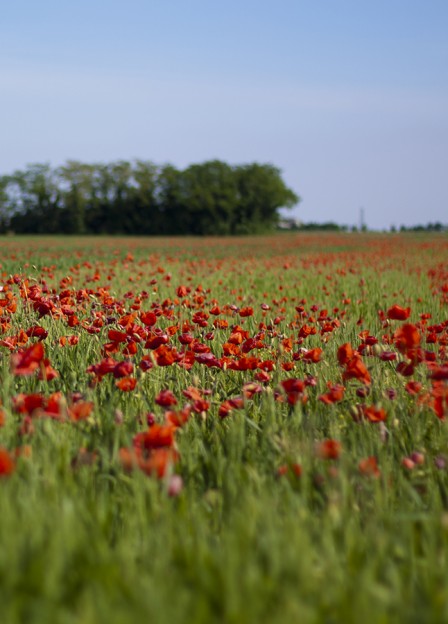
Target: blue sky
x=349, y=98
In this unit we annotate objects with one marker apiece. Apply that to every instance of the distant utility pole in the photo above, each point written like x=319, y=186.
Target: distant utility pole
x=362, y=223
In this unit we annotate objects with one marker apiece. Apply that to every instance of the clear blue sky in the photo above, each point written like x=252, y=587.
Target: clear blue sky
x=348, y=97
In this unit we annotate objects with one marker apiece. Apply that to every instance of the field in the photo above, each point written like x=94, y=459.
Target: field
x=246, y=430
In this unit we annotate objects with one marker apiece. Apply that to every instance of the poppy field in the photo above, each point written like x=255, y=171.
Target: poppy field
x=226, y=430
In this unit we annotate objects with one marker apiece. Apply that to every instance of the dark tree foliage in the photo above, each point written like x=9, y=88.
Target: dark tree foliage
x=212, y=198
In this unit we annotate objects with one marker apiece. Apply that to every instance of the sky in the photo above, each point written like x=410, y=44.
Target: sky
x=349, y=98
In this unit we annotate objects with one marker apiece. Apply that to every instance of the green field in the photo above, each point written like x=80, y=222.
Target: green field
x=236, y=430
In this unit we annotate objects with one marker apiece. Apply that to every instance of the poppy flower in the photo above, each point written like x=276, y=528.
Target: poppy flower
x=179, y=418
x=192, y=393
x=397, y=313
x=373, y=414
x=356, y=369
x=158, y=462
x=115, y=335
x=405, y=368
x=36, y=331
x=307, y=330
x=295, y=391
x=182, y=291
x=126, y=384
x=7, y=463
x=439, y=373
x=26, y=362
x=406, y=337
x=46, y=371
x=80, y=410
x=148, y=318
x=27, y=403
x=387, y=356
x=313, y=355
x=230, y=404
x=251, y=388
x=413, y=387
x=165, y=355
x=123, y=369
x=293, y=469
x=166, y=398
x=157, y=436
x=328, y=449
x=439, y=399
x=155, y=341
x=369, y=467
x=334, y=394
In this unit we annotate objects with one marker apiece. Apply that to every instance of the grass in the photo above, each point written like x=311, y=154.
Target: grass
x=265, y=526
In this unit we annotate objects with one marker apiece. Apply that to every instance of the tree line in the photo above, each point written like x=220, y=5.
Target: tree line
x=140, y=197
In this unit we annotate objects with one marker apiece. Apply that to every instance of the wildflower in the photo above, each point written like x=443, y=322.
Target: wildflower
x=369, y=467
x=398, y=313
x=7, y=463
x=328, y=449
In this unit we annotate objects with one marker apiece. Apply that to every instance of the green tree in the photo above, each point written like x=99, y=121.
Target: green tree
x=141, y=198
x=210, y=197
x=262, y=192
x=34, y=200
x=75, y=181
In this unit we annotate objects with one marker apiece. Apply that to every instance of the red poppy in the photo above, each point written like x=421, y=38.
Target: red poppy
x=166, y=398
x=155, y=341
x=36, y=331
x=328, y=449
x=157, y=436
x=116, y=336
x=313, y=355
x=398, y=313
x=123, y=369
x=345, y=353
x=26, y=362
x=369, y=467
x=388, y=356
x=413, y=387
x=295, y=391
x=439, y=373
x=158, y=462
x=405, y=368
x=230, y=404
x=406, y=337
x=307, y=330
x=46, y=371
x=192, y=393
x=7, y=463
x=126, y=384
x=80, y=410
x=334, y=394
x=439, y=399
x=293, y=469
x=27, y=403
x=179, y=418
x=148, y=318
x=356, y=369
x=373, y=414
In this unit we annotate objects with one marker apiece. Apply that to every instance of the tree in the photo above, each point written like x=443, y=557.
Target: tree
x=75, y=181
x=209, y=197
x=261, y=193
x=34, y=200
x=140, y=198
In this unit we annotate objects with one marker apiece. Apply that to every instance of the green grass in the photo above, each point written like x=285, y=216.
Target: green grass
x=239, y=544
